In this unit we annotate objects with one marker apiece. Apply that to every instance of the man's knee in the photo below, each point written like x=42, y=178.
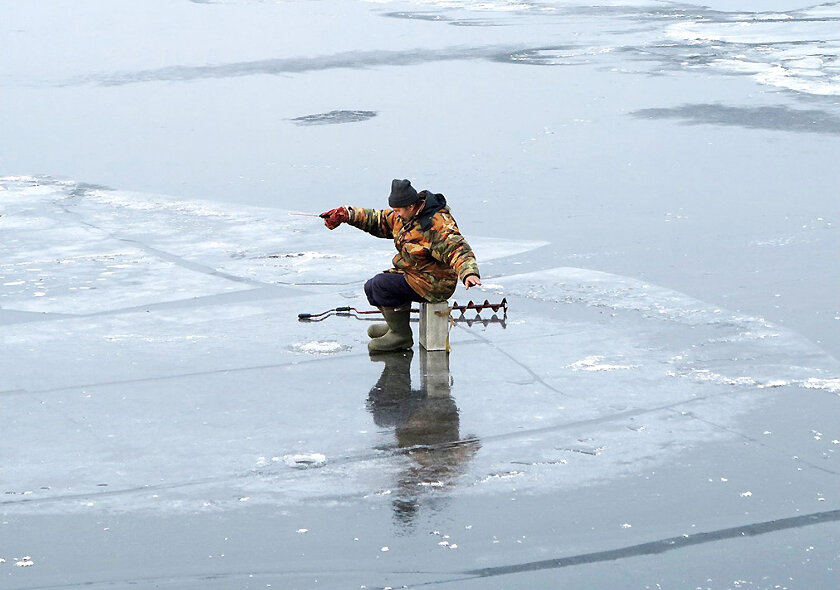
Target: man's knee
x=388, y=290
x=370, y=292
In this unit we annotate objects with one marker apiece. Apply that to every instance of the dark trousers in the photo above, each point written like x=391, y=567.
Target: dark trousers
x=390, y=289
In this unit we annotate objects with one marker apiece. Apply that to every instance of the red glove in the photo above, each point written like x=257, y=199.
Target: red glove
x=335, y=217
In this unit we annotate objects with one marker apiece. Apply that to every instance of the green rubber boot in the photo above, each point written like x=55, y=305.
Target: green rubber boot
x=377, y=330
x=399, y=335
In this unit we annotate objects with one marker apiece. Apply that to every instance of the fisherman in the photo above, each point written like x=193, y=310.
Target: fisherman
x=431, y=256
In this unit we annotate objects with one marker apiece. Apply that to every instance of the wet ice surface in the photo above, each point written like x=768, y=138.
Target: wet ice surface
x=208, y=403
x=660, y=404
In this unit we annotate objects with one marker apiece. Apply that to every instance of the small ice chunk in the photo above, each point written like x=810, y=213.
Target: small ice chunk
x=302, y=531
x=384, y=549
x=431, y=484
x=746, y=494
x=627, y=525
x=305, y=461
x=24, y=561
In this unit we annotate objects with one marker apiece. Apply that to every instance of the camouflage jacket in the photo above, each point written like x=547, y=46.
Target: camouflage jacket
x=431, y=252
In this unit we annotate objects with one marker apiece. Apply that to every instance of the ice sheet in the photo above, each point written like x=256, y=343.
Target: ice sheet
x=80, y=250
x=194, y=350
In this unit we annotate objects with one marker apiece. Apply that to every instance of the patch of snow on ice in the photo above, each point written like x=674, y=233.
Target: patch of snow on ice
x=832, y=385
x=712, y=377
x=492, y=287
x=601, y=289
x=593, y=363
x=498, y=476
x=320, y=347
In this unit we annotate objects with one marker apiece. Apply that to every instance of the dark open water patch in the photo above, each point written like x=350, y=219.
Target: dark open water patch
x=334, y=117
x=774, y=118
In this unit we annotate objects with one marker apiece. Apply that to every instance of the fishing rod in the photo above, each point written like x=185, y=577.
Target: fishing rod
x=304, y=214
x=342, y=311
x=344, y=314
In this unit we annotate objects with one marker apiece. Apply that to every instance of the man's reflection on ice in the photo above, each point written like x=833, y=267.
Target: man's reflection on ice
x=425, y=422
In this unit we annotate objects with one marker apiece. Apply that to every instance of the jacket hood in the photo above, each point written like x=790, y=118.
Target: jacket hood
x=434, y=203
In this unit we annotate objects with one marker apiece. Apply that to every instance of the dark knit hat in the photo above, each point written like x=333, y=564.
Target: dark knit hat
x=402, y=194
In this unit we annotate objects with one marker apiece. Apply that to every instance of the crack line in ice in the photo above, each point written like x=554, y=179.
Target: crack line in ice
x=759, y=442
x=656, y=547
x=528, y=369
x=221, y=371
x=168, y=257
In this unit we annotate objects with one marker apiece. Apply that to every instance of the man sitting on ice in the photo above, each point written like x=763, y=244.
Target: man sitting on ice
x=431, y=256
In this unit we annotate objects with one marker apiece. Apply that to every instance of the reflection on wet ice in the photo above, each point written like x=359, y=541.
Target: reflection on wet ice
x=425, y=422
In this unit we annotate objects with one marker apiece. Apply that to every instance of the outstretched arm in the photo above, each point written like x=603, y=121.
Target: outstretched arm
x=377, y=222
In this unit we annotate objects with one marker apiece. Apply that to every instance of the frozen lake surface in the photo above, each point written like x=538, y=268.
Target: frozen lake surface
x=651, y=186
